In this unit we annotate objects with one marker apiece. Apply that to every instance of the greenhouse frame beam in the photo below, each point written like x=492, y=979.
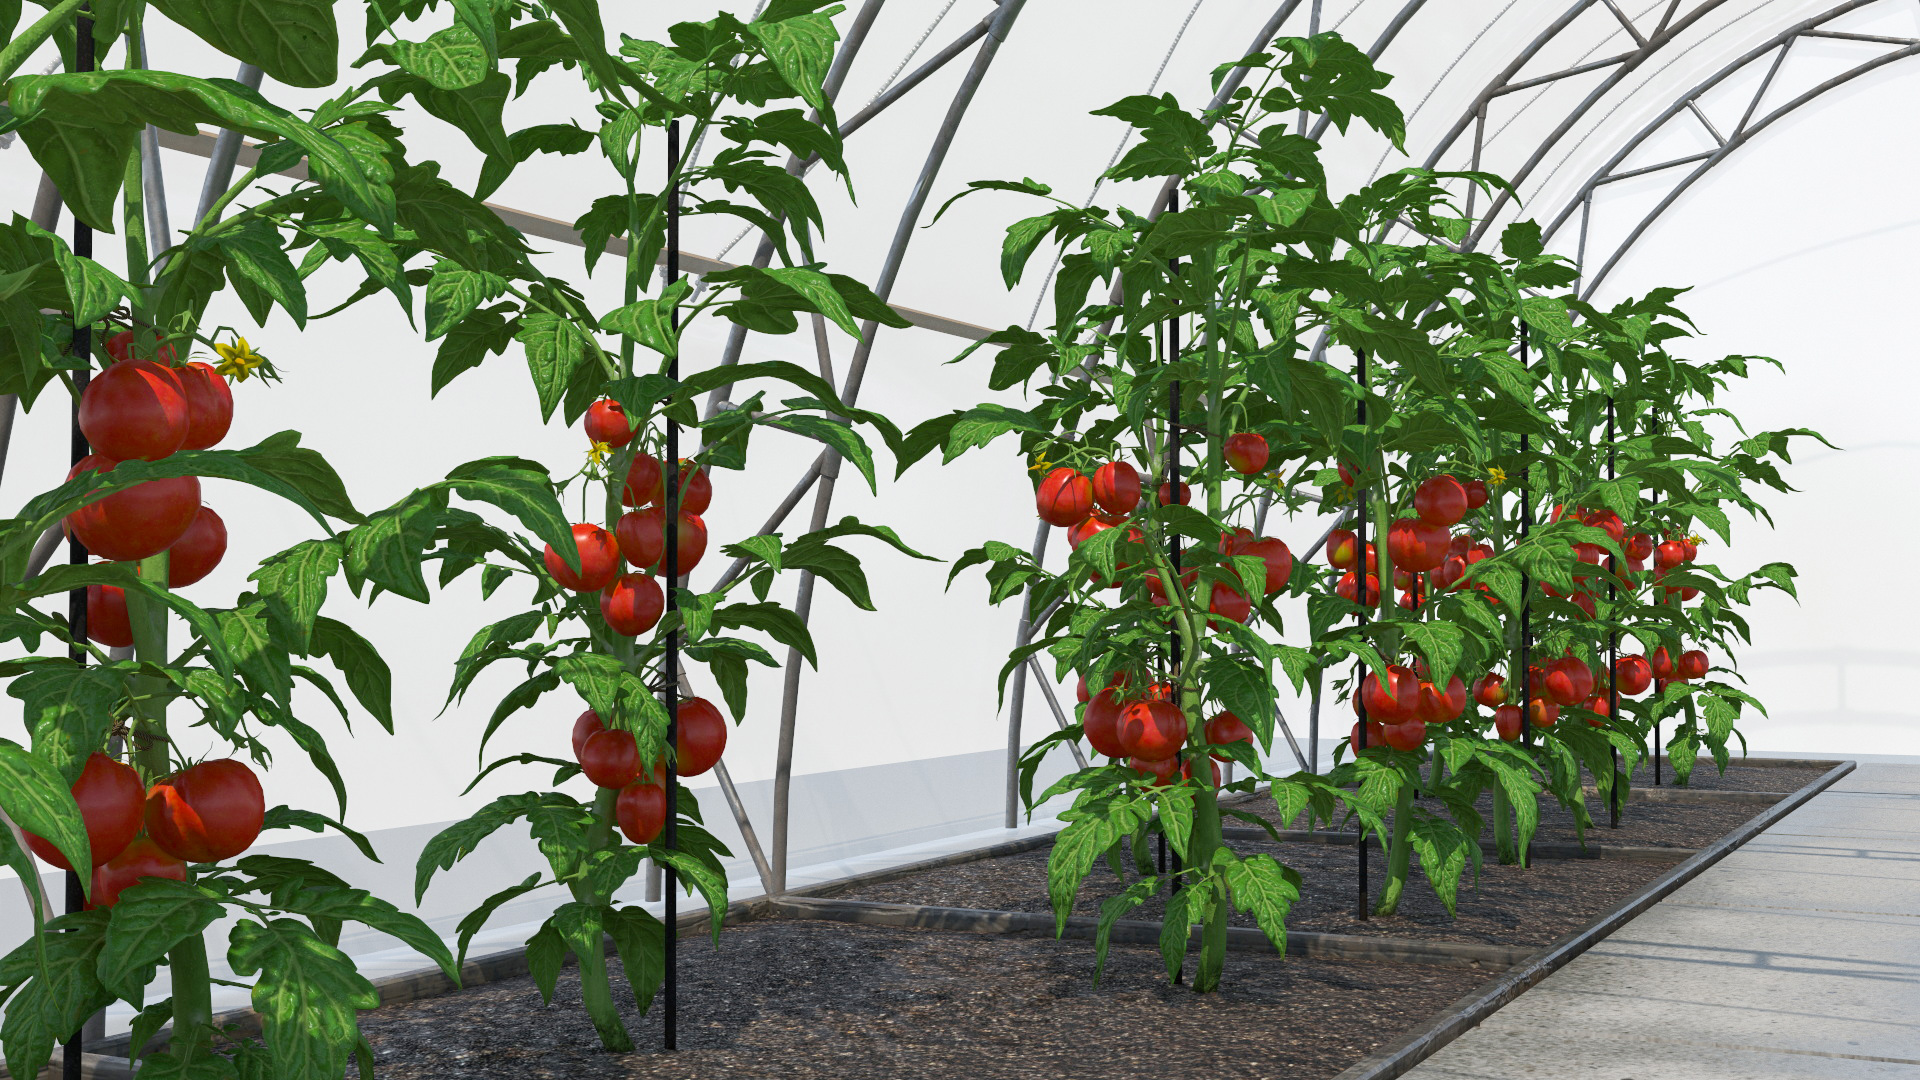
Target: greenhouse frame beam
x=904, y=229
x=1780, y=45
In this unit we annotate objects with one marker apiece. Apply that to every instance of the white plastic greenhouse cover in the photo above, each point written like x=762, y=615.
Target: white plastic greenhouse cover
x=1789, y=233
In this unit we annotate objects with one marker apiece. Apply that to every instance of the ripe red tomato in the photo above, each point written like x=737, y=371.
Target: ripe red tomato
x=139, y=521
x=1689, y=549
x=1116, y=487
x=1101, y=720
x=1477, y=494
x=1542, y=712
x=1275, y=554
x=1349, y=589
x=1348, y=473
x=1155, y=773
x=1662, y=664
x=134, y=409
x=1165, y=493
x=607, y=423
x=610, y=758
x=599, y=560
x=207, y=812
x=209, y=405
x=585, y=726
x=198, y=550
x=112, y=804
x=1639, y=546
x=1404, y=579
x=1600, y=707
x=140, y=859
x=643, y=481
x=1152, y=730
x=1669, y=555
x=1693, y=665
x=700, y=738
x=1246, y=453
x=1633, y=675
x=632, y=604
x=640, y=536
x=1342, y=545
x=1376, y=735
x=1448, y=575
x=1616, y=529
x=1490, y=690
x=1226, y=728
x=1461, y=543
x=1082, y=531
x=1416, y=544
x=1065, y=497
x=1229, y=604
x=1440, y=500
x=696, y=489
x=1568, y=680
x=641, y=810
x=107, y=621
x=1213, y=767
x=1507, y=720
x=1393, y=698
x=1406, y=736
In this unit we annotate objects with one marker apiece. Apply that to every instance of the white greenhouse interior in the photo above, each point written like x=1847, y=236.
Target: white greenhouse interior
x=1757, y=152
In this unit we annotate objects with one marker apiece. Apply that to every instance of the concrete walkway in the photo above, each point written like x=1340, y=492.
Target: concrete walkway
x=1797, y=956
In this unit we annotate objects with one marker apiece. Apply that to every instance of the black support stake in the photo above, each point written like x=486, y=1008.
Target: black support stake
x=670, y=525
x=1523, y=666
x=1173, y=492
x=1613, y=643
x=1360, y=594
x=76, y=552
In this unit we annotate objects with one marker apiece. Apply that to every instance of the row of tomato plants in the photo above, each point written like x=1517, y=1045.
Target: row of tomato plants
x=1261, y=261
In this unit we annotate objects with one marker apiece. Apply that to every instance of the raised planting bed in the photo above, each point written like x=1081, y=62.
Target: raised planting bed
x=952, y=970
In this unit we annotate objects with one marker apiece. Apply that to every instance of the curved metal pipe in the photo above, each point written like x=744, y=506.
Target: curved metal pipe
x=883, y=288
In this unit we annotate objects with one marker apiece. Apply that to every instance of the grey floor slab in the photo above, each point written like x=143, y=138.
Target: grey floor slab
x=1796, y=957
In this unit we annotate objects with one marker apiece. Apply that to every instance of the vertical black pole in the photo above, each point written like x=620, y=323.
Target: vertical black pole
x=76, y=552
x=1360, y=594
x=1173, y=490
x=1656, y=714
x=1522, y=667
x=1613, y=643
x=671, y=527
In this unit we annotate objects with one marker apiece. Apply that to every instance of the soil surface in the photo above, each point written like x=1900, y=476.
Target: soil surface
x=807, y=1000
x=803, y=999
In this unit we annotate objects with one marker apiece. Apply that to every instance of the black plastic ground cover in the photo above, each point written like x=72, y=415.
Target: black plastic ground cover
x=1337, y=838
x=1396, y=1058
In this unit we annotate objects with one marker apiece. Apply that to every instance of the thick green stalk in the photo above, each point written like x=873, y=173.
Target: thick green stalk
x=1508, y=852
x=1399, y=855
x=1201, y=845
x=192, y=996
x=596, y=990
x=148, y=619
x=22, y=47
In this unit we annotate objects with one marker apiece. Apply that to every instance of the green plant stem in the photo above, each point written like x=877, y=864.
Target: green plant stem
x=20, y=48
x=192, y=996
x=1399, y=854
x=1504, y=847
x=148, y=620
x=596, y=989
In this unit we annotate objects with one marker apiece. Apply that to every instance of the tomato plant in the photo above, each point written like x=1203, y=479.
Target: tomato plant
x=613, y=617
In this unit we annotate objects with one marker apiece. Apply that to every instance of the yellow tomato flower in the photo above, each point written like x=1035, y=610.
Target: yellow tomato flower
x=597, y=453
x=1040, y=463
x=238, y=360
x=1496, y=476
x=1696, y=541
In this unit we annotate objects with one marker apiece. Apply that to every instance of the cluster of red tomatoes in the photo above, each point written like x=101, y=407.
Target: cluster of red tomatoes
x=1088, y=505
x=1148, y=731
x=611, y=759
x=1426, y=556
x=146, y=410
x=632, y=602
x=204, y=813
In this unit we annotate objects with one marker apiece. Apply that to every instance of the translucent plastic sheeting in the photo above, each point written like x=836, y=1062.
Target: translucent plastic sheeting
x=914, y=685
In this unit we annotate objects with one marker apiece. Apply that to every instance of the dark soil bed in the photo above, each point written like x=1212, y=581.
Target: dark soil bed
x=791, y=999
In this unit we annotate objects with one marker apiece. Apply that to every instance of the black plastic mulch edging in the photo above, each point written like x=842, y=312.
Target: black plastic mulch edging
x=1399, y=1056
x=1337, y=838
